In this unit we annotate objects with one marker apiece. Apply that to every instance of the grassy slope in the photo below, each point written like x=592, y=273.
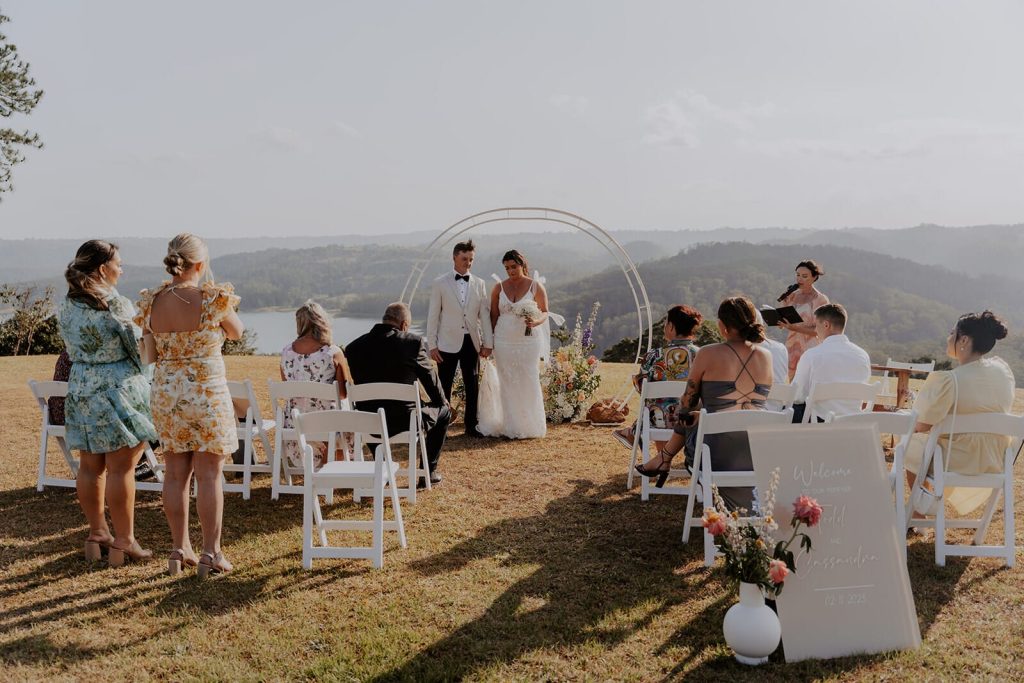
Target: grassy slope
x=530, y=562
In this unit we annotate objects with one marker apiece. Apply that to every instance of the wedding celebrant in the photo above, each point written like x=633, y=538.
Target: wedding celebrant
x=459, y=328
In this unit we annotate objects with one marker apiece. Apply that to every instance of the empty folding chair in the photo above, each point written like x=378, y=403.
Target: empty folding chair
x=861, y=392
x=645, y=434
x=704, y=475
x=42, y=392
x=933, y=471
x=249, y=428
x=376, y=477
x=888, y=389
x=281, y=471
x=900, y=426
x=414, y=437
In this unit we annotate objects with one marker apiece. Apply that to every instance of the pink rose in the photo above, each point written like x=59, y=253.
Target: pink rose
x=591, y=360
x=807, y=510
x=777, y=571
x=714, y=522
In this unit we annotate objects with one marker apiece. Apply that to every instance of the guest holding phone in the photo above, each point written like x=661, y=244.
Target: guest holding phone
x=805, y=298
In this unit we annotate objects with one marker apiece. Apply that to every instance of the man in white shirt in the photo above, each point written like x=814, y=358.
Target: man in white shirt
x=835, y=359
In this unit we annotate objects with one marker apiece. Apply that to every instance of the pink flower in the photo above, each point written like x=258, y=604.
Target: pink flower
x=778, y=571
x=714, y=522
x=591, y=360
x=807, y=510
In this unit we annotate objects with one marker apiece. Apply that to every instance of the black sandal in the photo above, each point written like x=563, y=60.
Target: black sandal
x=661, y=471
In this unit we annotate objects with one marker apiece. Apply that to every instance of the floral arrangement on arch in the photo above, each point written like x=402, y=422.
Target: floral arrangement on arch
x=571, y=378
x=751, y=553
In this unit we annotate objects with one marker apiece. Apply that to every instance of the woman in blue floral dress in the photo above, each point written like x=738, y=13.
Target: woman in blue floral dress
x=107, y=415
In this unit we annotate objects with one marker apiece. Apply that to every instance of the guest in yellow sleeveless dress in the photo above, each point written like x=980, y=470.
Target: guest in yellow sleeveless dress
x=192, y=411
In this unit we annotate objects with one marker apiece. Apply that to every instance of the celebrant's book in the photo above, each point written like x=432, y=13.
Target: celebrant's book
x=772, y=316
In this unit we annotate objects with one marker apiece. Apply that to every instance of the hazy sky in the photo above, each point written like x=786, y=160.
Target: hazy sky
x=257, y=118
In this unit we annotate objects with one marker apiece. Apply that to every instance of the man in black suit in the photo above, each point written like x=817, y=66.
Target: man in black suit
x=390, y=353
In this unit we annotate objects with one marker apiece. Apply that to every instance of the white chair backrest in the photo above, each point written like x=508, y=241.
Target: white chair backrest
x=383, y=391
x=282, y=391
x=783, y=393
x=1002, y=424
x=841, y=391
x=664, y=389
x=916, y=367
x=47, y=389
x=739, y=420
x=313, y=425
x=897, y=424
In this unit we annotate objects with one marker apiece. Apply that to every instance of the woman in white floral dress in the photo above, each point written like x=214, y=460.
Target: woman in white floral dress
x=313, y=357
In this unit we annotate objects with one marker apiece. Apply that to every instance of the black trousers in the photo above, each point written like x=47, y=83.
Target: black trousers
x=435, y=422
x=469, y=360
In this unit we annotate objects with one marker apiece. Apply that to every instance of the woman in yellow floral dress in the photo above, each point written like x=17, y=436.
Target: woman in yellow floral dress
x=189, y=317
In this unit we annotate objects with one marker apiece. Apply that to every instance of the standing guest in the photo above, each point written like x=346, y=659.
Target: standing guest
x=979, y=384
x=390, y=353
x=835, y=359
x=459, y=330
x=806, y=299
x=107, y=416
x=312, y=357
x=189, y=317
x=733, y=375
x=671, y=362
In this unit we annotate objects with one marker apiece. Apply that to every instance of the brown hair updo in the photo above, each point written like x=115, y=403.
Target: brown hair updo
x=983, y=329
x=816, y=270
x=83, y=274
x=311, y=320
x=737, y=313
x=684, y=318
x=515, y=256
x=183, y=252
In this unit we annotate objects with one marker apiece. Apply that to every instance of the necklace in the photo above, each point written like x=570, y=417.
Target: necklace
x=185, y=285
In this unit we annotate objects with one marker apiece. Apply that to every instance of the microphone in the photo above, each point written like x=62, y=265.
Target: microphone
x=792, y=288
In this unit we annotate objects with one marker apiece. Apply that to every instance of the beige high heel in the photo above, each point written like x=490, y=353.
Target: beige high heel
x=210, y=564
x=177, y=561
x=94, y=548
x=136, y=553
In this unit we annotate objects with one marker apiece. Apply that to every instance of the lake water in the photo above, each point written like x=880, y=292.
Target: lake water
x=275, y=329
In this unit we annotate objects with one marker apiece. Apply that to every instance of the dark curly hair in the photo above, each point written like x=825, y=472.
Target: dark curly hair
x=515, y=256
x=816, y=270
x=684, y=319
x=737, y=313
x=983, y=329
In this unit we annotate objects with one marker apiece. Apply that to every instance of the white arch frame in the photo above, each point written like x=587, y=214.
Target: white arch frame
x=645, y=322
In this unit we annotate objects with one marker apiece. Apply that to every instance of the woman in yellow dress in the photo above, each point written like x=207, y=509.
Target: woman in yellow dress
x=189, y=317
x=805, y=299
x=979, y=384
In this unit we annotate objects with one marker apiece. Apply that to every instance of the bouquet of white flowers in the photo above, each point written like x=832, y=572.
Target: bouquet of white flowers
x=527, y=310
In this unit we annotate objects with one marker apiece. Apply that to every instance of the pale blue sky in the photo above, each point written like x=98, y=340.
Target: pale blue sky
x=316, y=118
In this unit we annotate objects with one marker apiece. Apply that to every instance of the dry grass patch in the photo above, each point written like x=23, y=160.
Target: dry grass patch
x=530, y=562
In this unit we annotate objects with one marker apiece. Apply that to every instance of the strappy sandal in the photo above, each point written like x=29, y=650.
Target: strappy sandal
x=136, y=553
x=177, y=560
x=661, y=471
x=94, y=548
x=210, y=564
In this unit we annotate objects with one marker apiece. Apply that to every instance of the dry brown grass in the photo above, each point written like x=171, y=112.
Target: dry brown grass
x=529, y=562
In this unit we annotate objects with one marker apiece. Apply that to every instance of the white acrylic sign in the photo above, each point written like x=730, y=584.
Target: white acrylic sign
x=851, y=593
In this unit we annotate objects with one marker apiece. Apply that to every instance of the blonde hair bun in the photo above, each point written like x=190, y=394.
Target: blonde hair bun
x=184, y=251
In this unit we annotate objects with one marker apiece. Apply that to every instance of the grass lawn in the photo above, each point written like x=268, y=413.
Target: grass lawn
x=530, y=562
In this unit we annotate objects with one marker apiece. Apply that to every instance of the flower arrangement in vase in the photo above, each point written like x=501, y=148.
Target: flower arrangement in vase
x=571, y=377
x=759, y=564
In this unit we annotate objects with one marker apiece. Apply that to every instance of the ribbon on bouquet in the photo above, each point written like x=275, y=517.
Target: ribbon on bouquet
x=545, y=328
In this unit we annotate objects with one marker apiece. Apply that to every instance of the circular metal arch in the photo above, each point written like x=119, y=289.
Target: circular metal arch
x=645, y=323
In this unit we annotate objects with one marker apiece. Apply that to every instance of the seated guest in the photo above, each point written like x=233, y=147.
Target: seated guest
x=835, y=359
x=979, y=384
x=313, y=357
x=668, y=363
x=733, y=375
x=780, y=363
x=61, y=373
x=390, y=353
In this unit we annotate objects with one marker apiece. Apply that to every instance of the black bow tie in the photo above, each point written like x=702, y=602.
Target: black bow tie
x=462, y=277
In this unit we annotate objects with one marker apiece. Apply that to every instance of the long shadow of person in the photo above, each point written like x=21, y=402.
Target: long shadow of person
x=604, y=569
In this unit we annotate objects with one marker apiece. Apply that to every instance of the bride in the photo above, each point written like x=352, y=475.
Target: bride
x=515, y=407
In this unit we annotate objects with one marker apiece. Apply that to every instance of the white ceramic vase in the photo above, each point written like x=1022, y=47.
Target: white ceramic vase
x=751, y=627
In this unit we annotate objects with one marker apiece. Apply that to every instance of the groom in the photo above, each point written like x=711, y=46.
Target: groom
x=459, y=328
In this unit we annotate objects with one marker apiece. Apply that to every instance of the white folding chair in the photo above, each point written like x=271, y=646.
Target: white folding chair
x=704, y=474
x=781, y=396
x=414, y=436
x=253, y=426
x=888, y=388
x=901, y=426
x=45, y=390
x=374, y=476
x=281, y=472
x=839, y=391
x=645, y=434
x=933, y=470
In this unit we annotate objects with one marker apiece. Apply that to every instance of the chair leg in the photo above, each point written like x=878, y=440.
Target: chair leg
x=275, y=466
x=396, y=508
x=1009, y=537
x=247, y=467
x=411, y=470
x=709, y=540
x=425, y=458
x=318, y=517
x=986, y=518
x=71, y=460
x=42, y=460
x=307, y=526
x=378, y=520
x=940, y=533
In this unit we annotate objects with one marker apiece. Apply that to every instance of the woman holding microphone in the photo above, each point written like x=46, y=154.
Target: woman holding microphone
x=805, y=298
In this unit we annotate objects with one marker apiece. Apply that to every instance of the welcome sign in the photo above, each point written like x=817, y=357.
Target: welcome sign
x=850, y=594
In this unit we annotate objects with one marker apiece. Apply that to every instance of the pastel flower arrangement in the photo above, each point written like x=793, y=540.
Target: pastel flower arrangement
x=751, y=553
x=571, y=377
x=528, y=310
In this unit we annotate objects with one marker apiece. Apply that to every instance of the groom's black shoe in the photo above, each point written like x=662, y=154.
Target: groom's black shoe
x=421, y=482
x=475, y=433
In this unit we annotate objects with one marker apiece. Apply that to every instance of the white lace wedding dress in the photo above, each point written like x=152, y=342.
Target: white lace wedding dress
x=515, y=407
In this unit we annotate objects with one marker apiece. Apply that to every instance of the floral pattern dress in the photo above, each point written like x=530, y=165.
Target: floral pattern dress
x=669, y=363
x=309, y=367
x=107, y=405
x=192, y=407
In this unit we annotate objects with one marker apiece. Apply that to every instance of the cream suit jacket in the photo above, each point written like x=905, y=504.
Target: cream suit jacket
x=446, y=316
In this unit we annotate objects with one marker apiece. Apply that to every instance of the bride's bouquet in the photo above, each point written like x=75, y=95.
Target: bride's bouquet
x=527, y=310
x=571, y=377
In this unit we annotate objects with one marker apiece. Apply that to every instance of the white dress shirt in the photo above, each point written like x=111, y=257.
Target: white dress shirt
x=462, y=287
x=780, y=366
x=836, y=359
